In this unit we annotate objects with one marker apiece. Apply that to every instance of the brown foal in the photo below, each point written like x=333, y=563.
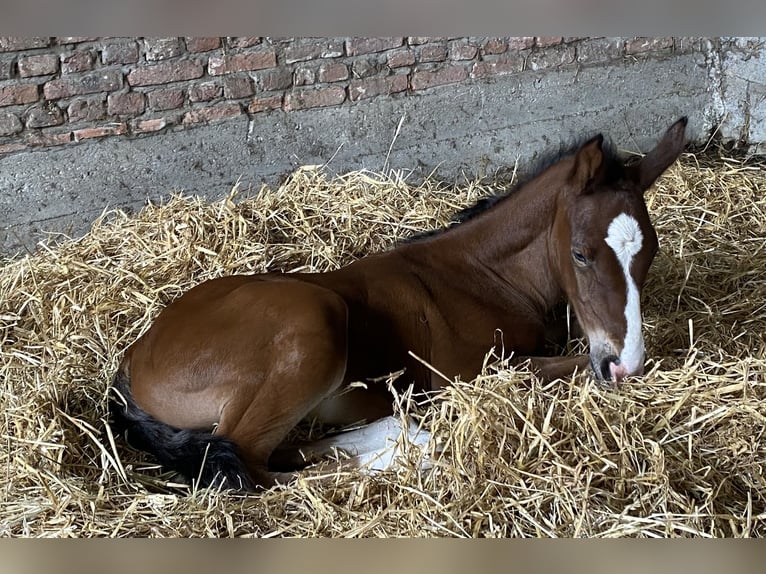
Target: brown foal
x=229, y=368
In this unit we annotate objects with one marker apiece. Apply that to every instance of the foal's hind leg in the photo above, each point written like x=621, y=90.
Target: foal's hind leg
x=350, y=407
x=308, y=363
x=371, y=448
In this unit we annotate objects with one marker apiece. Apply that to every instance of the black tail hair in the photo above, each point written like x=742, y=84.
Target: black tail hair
x=197, y=455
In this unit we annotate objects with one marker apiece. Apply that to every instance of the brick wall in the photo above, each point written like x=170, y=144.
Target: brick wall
x=63, y=90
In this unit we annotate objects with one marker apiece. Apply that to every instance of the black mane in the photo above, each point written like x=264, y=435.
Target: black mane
x=614, y=169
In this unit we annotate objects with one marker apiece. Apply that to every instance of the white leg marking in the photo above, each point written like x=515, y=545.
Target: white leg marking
x=377, y=446
x=625, y=238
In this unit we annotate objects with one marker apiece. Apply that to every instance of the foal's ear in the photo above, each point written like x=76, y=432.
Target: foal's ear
x=654, y=163
x=588, y=162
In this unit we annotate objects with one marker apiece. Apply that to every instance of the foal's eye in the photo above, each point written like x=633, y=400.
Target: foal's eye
x=579, y=258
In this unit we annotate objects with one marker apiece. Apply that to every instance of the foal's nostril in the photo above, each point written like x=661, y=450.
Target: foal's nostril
x=606, y=372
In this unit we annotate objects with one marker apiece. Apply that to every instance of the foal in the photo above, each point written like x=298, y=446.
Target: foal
x=250, y=356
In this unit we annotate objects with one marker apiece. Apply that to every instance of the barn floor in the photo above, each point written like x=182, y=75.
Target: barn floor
x=679, y=452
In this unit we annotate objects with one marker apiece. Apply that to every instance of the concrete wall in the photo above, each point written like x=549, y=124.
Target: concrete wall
x=254, y=109
x=740, y=99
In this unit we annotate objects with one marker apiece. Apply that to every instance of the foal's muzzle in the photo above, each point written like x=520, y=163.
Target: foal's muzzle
x=610, y=368
x=606, y=367
x=611, y=363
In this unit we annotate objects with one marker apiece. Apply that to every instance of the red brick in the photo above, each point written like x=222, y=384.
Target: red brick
x=77, y=62
x=302, y=51
x=57, y=139
x=38, y=65
x=551, y=58
x=235, y=87
x=521, y=42
x=48, y=138
x=131, y=103
x=371, y=87
x=12, y=44
x=264, y=103
x=239, y=42
x=417, y=40
x=511, y=63
x=45, y=116
x=146, y=126
x=124, y=53
x=220, y=112
x=166, y=99
x=545, y=41
x=448, y=75
x=75, y=39
x=333, y=49
x=640, y=45
x=318, y=98
x=276, y=79
x=6, y=68
x=202, y=44
x=400, y=58
x=18, y=94
x=432, y=53
x=303, y=76
x=11, y=147
x=205, y=92
x=9, y=124
x=494, y=46
x=108, y=130
x=102, y=81
x=333, y=72
x=599, y=50
x=356, y=46
x=462, y=52
x=86, y=110
x=162, y=48
x=366, y=67
x=227, y=64
x=166, y=72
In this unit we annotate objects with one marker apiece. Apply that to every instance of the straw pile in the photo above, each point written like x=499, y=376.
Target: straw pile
x=679, y=452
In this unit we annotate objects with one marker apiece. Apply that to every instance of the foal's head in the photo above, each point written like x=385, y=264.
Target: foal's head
x=604, y=244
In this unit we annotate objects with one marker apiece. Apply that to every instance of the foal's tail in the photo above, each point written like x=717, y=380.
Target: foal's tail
x=198, y=455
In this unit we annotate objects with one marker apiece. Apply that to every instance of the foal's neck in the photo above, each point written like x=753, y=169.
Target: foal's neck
x=510, y=243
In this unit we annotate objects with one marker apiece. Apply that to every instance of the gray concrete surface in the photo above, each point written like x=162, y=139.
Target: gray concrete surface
x=479, y=128
x=742, y=103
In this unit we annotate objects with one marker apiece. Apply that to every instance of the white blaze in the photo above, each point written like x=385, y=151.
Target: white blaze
x=625, y=238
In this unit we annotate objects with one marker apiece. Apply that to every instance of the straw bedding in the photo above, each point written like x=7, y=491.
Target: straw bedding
x=679, y=452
